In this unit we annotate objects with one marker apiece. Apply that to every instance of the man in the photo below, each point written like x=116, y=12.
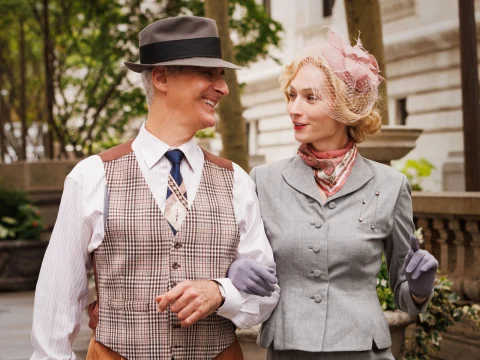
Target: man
x=160, y=220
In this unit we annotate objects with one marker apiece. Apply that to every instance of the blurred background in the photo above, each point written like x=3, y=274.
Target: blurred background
x=65, y=95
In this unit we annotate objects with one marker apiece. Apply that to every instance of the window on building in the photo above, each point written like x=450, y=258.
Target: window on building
x=268, y=7
x=328, y=7
x=402, y=111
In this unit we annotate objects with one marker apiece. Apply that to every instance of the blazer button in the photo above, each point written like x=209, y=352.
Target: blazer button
x=332, y=205
x=316, y=248
x=175, y=265
x=317, y=273
x=318, y=224
x=317, y=298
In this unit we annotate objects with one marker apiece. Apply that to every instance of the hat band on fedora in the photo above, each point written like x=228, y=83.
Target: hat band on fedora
x=180, y=49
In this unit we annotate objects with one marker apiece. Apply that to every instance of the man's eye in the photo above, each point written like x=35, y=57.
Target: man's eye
x=208, y=73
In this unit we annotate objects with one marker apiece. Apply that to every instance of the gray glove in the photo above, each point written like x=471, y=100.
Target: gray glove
x=251, y=277
x=420, y=269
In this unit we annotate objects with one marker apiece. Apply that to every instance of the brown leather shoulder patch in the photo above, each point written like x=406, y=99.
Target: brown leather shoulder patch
x=117, y=151
x=224, y=163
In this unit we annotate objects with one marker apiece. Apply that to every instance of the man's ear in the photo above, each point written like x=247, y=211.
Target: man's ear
x=159, y=78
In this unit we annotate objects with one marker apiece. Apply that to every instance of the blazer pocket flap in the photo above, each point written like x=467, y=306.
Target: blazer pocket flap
x=128, y=305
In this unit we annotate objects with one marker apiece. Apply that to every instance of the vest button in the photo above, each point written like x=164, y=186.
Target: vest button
x=177, y=245
x=317, y=273
x=332, y=205
x=174, y=284
x=316, y=248
x=175, y=265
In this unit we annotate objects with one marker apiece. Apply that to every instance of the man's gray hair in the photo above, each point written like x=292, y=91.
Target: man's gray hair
x=147, y=83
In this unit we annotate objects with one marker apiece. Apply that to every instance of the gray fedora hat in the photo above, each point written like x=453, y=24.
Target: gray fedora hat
x=182, y=40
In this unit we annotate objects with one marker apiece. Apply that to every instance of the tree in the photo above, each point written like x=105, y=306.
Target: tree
x=75, y=79
x=20, y=66
x=230, y=108
x=364, y=16
x=83, y=55
x=255, y=32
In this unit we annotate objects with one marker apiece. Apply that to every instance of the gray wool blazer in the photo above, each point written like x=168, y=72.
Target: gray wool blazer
x=328, y=255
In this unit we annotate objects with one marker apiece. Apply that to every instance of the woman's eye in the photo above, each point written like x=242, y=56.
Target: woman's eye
x=312, y=98
x=291, y=96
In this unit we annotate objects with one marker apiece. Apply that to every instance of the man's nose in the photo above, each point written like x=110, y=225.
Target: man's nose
x=221, y=86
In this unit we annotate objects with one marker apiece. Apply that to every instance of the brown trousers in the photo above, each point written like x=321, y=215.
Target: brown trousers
x=98, y=351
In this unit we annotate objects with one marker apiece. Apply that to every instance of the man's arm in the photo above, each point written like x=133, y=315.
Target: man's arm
x=246, y=310
x=194, y=300
x=62, y=289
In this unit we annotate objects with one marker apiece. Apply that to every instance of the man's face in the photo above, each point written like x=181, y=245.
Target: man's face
x=193, y=94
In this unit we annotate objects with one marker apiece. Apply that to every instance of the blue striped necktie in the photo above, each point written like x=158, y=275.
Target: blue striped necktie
x=176, y=206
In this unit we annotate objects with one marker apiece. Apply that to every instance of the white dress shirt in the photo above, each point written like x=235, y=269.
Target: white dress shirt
x=62, y=290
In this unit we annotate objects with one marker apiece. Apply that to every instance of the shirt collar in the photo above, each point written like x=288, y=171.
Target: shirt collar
x=153, y=149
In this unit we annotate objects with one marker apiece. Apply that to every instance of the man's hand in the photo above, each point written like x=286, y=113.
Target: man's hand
x=191, y=300
x=251, y=277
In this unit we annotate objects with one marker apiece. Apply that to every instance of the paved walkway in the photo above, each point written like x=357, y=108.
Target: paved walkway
x=16, y=311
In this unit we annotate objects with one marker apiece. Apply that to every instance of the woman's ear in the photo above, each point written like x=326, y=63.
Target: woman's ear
x=159, y=78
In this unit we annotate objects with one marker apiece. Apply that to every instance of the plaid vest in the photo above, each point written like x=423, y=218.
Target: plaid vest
x=140, y=258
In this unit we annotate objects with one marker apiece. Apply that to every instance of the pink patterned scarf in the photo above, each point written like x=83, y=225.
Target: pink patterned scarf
x=331, y=167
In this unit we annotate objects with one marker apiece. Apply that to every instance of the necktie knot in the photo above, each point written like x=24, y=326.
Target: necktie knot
x=175, y=156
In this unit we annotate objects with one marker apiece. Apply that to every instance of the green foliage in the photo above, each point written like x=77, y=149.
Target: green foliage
x=107, y=143
x=252, y=28
x=18, y=218
x=208, y=133
x=384, y=293
x=90, y=40
x=14, y=13
x=416, y=171
x=443, y=312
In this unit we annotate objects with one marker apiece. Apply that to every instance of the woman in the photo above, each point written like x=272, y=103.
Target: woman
x=330, y=214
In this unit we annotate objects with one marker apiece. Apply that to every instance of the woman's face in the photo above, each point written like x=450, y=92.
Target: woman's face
x=311, y=124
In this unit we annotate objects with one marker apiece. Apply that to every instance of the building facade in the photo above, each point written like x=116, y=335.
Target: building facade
x=421, y=39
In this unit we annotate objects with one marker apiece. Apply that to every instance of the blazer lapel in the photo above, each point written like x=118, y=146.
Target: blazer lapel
x=358, y=177
x=300, y=176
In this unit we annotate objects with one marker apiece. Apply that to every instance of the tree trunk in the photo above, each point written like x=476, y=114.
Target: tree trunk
x=23, y=95
x=232, y=124
x=364, y=16
x=3, y=149
x=48, y=145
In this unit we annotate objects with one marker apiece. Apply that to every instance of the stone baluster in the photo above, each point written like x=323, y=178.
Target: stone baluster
x=471, y=283
x=458, y=273
x=427, y=234
x=439, y=225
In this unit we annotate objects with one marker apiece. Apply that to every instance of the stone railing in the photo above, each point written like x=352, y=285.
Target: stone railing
x=451, y=231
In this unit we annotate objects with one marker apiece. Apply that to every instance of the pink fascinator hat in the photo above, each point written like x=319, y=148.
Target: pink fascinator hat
x=358, y=71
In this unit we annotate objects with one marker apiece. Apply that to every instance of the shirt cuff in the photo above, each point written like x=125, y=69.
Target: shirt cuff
x=233, y=299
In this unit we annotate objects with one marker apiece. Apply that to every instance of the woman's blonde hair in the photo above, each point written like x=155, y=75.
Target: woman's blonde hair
x=360, y=117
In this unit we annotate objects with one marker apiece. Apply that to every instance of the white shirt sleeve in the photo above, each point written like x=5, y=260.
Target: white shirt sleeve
x=242, y=309
x=62, y=289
